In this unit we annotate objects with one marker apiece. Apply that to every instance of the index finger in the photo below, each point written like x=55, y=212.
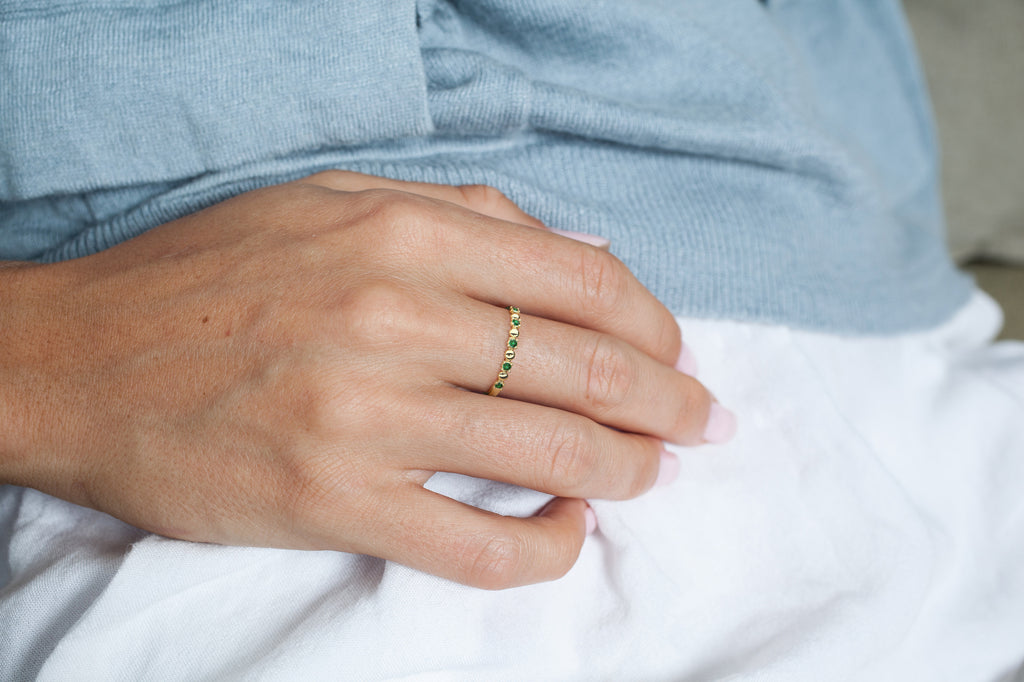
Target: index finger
x=480, y=198
x=503, y=261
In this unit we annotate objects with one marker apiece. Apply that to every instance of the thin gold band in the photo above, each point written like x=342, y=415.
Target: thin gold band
x=510, y=351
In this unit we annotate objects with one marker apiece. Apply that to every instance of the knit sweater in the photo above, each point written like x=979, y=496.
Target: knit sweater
x=768, y=162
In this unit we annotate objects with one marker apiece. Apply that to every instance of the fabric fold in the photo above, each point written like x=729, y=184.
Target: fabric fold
x=100, y=95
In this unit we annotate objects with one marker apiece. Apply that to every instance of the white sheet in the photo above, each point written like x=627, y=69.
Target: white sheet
x=866, y=523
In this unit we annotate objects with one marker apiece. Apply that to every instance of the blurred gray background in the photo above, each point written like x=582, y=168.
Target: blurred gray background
x=973, y=55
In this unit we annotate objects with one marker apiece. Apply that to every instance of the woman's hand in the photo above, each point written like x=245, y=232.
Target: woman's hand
x=289, y=367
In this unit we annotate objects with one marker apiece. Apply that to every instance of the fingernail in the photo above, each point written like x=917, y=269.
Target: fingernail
x=687, y=363
x=721, y=425
x=592, y=239
x=668, y=471
x=591, y=518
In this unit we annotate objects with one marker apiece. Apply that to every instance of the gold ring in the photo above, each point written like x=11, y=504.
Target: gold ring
x=510, y=351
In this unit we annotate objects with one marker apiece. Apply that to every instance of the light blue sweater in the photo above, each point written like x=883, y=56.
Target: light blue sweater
x=756, y=162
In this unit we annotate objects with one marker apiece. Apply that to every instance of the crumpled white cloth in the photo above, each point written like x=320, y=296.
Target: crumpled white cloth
x=866, y=523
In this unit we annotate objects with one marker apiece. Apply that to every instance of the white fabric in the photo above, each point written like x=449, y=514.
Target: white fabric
x=866, y=523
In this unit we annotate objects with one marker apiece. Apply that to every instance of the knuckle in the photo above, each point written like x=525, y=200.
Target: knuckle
x=319, y=491
x=483, y=197
x=378, y=313
x=572, y=458
x=309, y=487
x=402, y=224
x=603, y=281
x=387, y=208
x=493, y=562
x=610, y=375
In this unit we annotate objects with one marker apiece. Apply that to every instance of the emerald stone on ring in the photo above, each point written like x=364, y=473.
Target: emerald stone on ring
x=510, y=351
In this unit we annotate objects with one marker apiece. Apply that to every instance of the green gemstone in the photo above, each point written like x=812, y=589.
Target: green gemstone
x=507, y=366
x=514, y=309
x=499, y=385
x=515, y=323
x=512, y=343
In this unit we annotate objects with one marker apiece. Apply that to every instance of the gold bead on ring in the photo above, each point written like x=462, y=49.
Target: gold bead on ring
x=510, y=351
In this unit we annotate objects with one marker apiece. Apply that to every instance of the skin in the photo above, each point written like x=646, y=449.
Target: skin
x=287, y=369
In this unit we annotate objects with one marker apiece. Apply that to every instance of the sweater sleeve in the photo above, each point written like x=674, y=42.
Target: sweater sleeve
x=117, y=93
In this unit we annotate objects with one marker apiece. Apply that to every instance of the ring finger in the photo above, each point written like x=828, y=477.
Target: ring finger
x=577, y=370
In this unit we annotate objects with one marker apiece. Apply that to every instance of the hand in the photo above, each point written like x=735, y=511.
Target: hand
x=289, y=367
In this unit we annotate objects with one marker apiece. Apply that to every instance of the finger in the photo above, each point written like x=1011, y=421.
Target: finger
x=573, y=369
x=444, y=537
x=558, y=279
x=436, y=244
x=529, y=445
x=479, y=198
